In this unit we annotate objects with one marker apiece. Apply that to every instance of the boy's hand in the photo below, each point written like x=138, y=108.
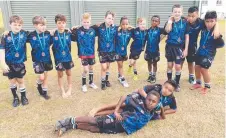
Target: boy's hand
x=118, y=116
x=216, y=33
x=185, y=53
x=6, y=33
x=52, y=31
x=74, y=27
x=5, y=68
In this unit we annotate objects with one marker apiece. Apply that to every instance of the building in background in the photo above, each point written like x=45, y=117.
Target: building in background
x=74, y=9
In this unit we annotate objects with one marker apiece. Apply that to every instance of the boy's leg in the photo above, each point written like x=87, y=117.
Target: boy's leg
x=103, y=75
x=39, y=82
x=108, y=84
x=131, y=62
x=121, y=77
x=206, y=77
x=85, y=71
x=45, y=86
x=13, y=87
x=135, y=77
x=198, y=76
x=191, y=69
x=169, y=70
x=60, y=83
x=91, y=83
x=24, y=99
x=178, y=75
x=150, y=71
x=69, y=81
x=154, y=71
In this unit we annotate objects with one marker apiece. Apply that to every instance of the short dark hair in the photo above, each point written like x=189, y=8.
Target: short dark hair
x=155, y=16
x=211, y=15
x=193, y=9
x=110, y=12
x=15, y=19
x=155, y=93
x=172, y=82
x=123, y=18
x=177, y=6
x=60, y=17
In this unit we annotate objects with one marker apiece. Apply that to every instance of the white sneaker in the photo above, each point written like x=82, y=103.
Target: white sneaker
x=92, y=85
x=84, y=88
x=124, y=84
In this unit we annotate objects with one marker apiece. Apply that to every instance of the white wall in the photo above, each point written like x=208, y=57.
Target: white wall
x=212, y=5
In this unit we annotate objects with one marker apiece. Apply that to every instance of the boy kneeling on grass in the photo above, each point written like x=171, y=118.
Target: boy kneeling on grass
x=138, y=111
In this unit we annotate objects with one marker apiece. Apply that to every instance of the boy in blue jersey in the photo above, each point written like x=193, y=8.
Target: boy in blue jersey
x=137, y=46
x=40, y=41
x=168, y=101
x=177, y=29
x=206, y=52
x=106, y=33
x=152, y=55
x=138, y=112
x=123, y=37
x=13, y=56
x=62, y=53
x=85, y=37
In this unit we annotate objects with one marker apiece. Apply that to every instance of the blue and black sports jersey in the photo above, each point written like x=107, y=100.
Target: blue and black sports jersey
x=153, y=39
x=176, y=37
x=86, y=41
x=165, y=100
x=62, y=47
x=122, y=40
x=208, y=44
x=15, y=47
x=137, y=115
x=194, y=30
x=139, y=40
x=106, y=37
x=40, y=44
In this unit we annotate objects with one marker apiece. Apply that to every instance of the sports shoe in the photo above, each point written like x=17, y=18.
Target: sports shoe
x=64, y=125
x=92, y=85
x=178, y=88
x=196, y=86
x=103, y=85
x=135, y=77
x=204, y=90
x=191, y=80
x=16, y=102
x=124, y=83
x=24, y=100
x=149, y=78
x=84, y=88
x=153, y=79
x=108, y=84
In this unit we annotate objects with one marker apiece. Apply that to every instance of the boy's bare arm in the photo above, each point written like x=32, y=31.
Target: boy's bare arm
x=4, y=66
x=120, y=103
x=168, y=27
x=185, y=52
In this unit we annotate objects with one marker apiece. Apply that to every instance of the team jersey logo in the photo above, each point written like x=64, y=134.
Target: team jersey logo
x=91, y=33
x=46, y=36
x=82, y=33
x=119, y=34
x=67, y=37
x=137, y=32
x=56, y=38
x=9, y=38
x=22, y=36
x=34, y=38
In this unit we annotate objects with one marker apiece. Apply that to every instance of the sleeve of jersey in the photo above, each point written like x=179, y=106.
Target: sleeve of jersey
x=74, y=35
x=2, y=43
x=219, y=42
x=95, y=27
x=162, y=31
x=131, y=98
x=173, y=104
x=187, y=29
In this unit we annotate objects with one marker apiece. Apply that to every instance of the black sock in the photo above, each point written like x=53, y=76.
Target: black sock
x=23, y=92
x=135, y=72
x=14, y=89
x=39, y=87
x=169, y=75
x=83, y=81
x=107, y=76
x=130, y=66
x=178, y=74
x=90, y=77
x=122, y=79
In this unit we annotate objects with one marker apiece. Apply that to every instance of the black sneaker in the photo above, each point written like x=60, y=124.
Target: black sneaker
x=24, y=100
x=103, y=85
x=45, y=95
x=153, y=79
x=149, y=78
x=16, y=102
x=108, y=84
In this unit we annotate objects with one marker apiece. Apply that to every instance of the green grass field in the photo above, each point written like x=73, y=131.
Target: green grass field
x=198, y=116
